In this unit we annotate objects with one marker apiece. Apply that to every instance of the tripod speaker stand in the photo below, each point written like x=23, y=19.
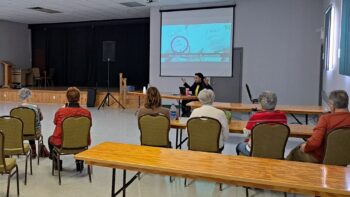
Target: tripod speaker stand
x=108, y=54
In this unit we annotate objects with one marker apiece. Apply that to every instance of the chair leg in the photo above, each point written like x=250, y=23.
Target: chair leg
x=246, y=192
x=185, y=183
x=25, y=170
x=40, y=146
x=220, y=187
x=8, y=184
x=59, y=167
x=139, y=175
x=17, y=180
x=171, y=179
x=89, y=172
x=53, y=165
x=30, y=162
x=285, y=194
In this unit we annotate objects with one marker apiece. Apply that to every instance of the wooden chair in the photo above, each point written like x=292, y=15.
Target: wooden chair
x=203, y=135
x=37, y=77
x=50, y=76
x=269, y=140
x=337, y=151
x=12, y=129
x=154, y=130
x=75, y=139
x=7, y=165
x=28, y=117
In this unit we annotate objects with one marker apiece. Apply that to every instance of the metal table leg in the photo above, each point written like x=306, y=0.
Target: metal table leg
x=125, y=184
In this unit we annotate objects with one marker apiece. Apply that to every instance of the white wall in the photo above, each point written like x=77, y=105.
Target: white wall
x=281, y=48
x=15, y=45
x=332, y=80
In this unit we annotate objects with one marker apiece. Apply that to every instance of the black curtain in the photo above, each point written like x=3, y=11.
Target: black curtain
x=74, y=50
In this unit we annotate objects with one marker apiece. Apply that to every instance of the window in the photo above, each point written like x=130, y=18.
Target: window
x=327, y=54
x=344, y=62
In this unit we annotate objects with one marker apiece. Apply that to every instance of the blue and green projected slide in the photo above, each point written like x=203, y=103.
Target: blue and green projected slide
x=196, y=43
x=198, y=40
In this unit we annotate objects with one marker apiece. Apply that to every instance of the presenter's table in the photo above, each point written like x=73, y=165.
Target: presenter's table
x=278, y=175
x=243, y=107
x=237, y=126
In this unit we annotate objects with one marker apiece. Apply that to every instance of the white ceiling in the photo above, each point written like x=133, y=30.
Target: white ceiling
x=80, y=10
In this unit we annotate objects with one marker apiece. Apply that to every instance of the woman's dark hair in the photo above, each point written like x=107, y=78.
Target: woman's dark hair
x=200, y=75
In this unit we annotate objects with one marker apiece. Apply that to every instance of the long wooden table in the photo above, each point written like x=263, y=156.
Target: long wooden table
x=237, y=126
x=279, y=175
x=243, y=107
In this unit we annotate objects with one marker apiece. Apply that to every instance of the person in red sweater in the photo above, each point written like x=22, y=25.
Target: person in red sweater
x=314, y=148
x=72, y=108
x=268, y=101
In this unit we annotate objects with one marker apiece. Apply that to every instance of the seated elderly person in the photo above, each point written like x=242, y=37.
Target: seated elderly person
x=206, y=97
x=72, y=108
x=313, y=149
x=24, y=95
x=153, y=104
x=268, y=101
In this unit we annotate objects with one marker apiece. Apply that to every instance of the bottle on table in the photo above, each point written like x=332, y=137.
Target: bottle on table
x=173, y=112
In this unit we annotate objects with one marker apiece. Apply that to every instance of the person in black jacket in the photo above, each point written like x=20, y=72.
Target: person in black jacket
x=200, y=83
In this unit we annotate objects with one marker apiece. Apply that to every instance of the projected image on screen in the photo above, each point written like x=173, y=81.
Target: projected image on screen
x=199, y=40
x=196, y=43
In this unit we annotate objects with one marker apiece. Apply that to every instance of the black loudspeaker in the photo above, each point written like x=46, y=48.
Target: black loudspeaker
x=108, y=51
x=91, y=97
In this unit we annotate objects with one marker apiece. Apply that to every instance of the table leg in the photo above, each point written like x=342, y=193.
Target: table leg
x=113, y=181
x=139, y=101
x=180, y=139
x=296, y=119
x=306, y=118
x=124, y=182
x=180, y=106
x=177, y=138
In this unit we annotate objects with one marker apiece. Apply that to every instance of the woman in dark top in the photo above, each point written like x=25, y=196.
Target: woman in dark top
x=200, y=83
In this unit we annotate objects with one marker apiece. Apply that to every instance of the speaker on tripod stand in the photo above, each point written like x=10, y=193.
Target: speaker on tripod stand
x=108, y=55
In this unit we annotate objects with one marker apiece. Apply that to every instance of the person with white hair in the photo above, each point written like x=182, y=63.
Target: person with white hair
x=206, y=97
x=268, y=101
x=313, y=150
x=24, y=95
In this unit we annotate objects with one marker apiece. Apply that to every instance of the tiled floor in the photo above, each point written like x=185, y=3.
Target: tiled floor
x=118, y=126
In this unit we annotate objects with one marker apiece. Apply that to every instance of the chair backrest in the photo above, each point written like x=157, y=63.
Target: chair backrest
x=269, y=140
x=203, y=134
x=36, y=72
x=28, y=117
x=12, y=128
x=337, y=149
x=2, y=156
x=154, y=130
x=76, y=132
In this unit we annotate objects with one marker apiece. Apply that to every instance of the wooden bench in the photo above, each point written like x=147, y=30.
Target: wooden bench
x=278, y=175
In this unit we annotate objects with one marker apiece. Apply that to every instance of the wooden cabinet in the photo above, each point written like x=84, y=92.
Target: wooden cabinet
x=7, y=73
